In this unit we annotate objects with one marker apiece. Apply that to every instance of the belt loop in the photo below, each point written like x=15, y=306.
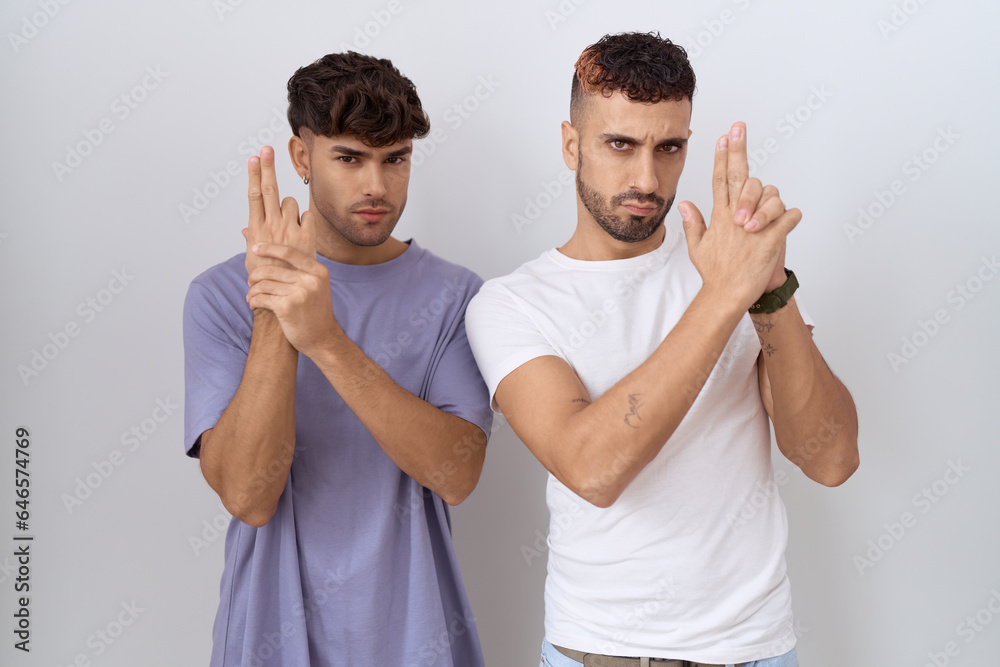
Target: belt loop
x=643, y=662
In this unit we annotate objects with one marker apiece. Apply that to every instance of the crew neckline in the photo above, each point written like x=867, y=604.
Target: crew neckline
x=365, y=272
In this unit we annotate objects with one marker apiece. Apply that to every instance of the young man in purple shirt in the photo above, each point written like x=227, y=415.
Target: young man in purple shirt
x=335, y=405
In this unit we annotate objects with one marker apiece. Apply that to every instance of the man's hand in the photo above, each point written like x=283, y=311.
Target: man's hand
x=742, y=260
x=296, y=288
x=271, y=221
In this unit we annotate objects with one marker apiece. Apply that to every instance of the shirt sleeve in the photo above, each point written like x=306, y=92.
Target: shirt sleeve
x=216, y=344
x=456, y=386
x=502, y=335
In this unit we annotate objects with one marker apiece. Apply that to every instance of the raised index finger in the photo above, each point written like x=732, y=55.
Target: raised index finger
x=739, y=169
x=720, y=178
x=253, y=194
x=269, y=185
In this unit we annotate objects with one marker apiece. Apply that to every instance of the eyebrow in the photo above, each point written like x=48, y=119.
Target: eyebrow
x=399, y=152
x=347, y=150
x=672, y=141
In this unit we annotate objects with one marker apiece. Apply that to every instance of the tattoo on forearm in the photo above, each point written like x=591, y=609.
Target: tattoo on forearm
x=580, y=400
x=763, y=327
x=632, y=418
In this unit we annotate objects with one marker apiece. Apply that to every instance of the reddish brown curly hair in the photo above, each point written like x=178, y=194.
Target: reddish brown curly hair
x=642, y=66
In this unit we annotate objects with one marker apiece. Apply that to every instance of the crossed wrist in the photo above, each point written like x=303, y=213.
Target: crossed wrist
x=776, y=299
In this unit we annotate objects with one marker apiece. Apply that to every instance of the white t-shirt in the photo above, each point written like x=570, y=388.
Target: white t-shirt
x=689, y=562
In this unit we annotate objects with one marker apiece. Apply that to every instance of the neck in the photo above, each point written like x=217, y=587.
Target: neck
x=335, y=247
x=591, y=243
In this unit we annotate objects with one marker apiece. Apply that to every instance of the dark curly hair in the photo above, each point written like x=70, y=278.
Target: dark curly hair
x=643, y=66
x=355, y=94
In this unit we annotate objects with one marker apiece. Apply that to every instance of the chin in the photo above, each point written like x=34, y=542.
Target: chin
x=368, y=237
x=635, y=230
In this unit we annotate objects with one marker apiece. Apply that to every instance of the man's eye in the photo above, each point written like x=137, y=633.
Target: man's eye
x=618, y=144
x=396, y=160
x=347, y=158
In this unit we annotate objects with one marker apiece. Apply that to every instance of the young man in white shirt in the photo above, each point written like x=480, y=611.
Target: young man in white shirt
x=628, y=363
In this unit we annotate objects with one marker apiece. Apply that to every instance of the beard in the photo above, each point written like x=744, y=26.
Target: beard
x=630, y=228
x=365, y=234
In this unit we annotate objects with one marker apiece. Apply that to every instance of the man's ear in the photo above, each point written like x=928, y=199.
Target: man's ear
x=298, y=150
x=570, y=145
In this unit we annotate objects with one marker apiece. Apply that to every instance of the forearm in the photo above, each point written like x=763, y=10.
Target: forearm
x=815, y=421
x=439, y=450
x=247, y=455
x=624, y=429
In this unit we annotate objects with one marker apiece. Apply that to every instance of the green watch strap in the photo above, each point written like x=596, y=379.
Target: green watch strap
x=772, y=301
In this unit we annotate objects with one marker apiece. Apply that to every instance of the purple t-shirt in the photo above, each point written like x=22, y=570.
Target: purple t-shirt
x=356, y=567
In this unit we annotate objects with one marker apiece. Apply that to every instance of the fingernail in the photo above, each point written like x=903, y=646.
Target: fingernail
x=736, y=133
x=741, y=216
x=752, y=225
x=723, y=143
x=685, y=212
x=255, y=248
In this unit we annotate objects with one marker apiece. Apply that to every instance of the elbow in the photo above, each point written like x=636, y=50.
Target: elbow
x=600, y=490
x=841, y=469
x=600, y=500
x=455, y=493
x=455, y=498
x=240, y=504
x=598, y=480
x=256, y=516
x=454, y=481
x=255, y=519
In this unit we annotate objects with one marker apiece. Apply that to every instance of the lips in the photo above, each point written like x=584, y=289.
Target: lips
x=372, y=214
x=639, y=210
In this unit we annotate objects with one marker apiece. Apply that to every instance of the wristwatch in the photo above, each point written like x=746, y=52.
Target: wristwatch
x=772, y=301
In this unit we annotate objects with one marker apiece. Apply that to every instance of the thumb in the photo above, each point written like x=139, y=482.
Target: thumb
x=694, y=224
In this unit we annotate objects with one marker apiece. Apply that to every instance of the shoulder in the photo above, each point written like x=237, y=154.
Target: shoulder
x=224, y=275
x=430, y=272
x=222, y=287
x=531, y=275
x=505, y=296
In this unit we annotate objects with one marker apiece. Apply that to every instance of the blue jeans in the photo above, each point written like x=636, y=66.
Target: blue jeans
x=553, y=658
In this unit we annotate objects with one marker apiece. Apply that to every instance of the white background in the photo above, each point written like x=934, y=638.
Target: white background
x=888, y=94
